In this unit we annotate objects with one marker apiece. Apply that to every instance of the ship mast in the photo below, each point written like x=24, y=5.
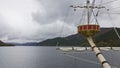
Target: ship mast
x=90, y=30
x=88, y=13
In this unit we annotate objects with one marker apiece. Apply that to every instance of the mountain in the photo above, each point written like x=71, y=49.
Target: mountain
x=5, y=44
x=106, y=37
x=26, y=44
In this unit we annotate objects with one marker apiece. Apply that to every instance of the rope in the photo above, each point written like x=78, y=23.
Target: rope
x=97, y=12
x=113, y=25
x=74, y=57
x=109, y=2
x=115, y=32
x=81, y=59
x=57, y=43
x=99, y=9
x=61, y=31
x=115, y=8
x=95, y=17
x=98, y=53
x=75, y=66
x=114, y=13
x=64, y=22
x=82, y=17
x=93, y=3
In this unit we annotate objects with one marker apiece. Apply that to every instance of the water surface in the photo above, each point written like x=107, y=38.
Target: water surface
x=49, y=57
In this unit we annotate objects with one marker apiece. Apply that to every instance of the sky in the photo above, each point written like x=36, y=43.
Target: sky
x=37, y=20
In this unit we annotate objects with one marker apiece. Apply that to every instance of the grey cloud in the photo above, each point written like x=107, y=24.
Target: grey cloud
x=55, y=10
x=53, y=30
x=4, y=29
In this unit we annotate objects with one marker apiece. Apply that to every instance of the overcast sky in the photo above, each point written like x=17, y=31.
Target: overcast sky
x=36, y=20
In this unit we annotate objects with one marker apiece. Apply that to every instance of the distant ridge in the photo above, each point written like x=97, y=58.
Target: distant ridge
x=1, y=42
x=107, y=37
x=5, y=44
x=25, y=44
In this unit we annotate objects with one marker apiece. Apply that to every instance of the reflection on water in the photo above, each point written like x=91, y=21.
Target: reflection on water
x=48, y=57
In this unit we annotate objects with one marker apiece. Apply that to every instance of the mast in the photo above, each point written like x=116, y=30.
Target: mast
x=88, y=12
x=89, y=30
x=98, y=53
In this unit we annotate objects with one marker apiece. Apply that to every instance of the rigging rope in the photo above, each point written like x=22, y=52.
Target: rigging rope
x=113, y=25
x=61, y=31
x=115, y=13
x=82, y=17
x=81, y=59
x=109, y=2
x=74, y=57
x=115, y=8
x=95, y=17
x=93, y=3
x=64, y=21
x=60, y=35
x=97, y=11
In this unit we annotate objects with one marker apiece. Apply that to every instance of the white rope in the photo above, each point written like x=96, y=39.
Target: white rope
x=74, y=57
x=93, y=3
x=64, y=22
x=112, y=56
x=61, y=31
x=82, y=17
x=109, y=2
x=113, y=24
x=114, y=8
x=96, y=15
x=81, y=59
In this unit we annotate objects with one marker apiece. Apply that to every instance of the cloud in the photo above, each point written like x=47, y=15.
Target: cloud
x=4, y=28
x=58, y=9
x=16, y=20
x=53, y=10
x=37, y=20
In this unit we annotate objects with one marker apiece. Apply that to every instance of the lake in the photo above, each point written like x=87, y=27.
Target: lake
x=49, y=57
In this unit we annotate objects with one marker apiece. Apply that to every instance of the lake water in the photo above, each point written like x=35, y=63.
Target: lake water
x=49, y=57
